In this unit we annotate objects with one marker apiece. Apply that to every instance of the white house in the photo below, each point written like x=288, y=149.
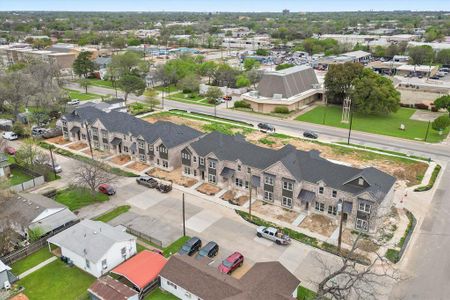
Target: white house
x=94, y=246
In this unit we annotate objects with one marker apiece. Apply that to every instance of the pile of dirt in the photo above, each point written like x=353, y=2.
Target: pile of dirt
x=58, y=140
x=319, y=224
x=137, y=166
x=208, y=189
x=121, y=159
x=228, y=196
x=274, y=211
x=96, y=153
x=174, y=176
x=78, y=146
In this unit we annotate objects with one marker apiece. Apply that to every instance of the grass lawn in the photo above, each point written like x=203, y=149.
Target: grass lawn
x=175, y=246
x=186, y=98
x=18, y=176
x=57, y=281
x=101, y=83
x=76, y=198
x=30, y=261
x=385, y=125
x=113, y=213
x=157, y=294
x=82, y=96
x=170, y=88
x=305, y=294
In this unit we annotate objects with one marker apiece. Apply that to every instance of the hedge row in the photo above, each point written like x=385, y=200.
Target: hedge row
x=430, y=184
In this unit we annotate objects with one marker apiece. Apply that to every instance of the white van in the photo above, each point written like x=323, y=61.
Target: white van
x=9, y=135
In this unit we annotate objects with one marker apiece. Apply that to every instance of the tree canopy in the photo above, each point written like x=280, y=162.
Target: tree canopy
x=83, y=65
x=130, y=83
x=421, y=55
x=443, y=102
x=338, y=81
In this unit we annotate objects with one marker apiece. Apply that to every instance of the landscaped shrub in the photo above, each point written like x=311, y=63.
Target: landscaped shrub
x=241, y=104
x=393, y=255
x=430, y=184
x=421, y=106
x=281, y=110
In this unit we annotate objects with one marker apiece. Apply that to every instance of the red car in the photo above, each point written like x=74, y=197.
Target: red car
x=231, y=263
x=10, y=150
x=106, y=189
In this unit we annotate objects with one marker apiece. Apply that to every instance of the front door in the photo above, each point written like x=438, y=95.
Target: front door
x=306, y=205
x=203, y=175
x=120, y=148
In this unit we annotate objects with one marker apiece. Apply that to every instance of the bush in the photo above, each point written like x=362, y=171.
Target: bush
x=241, y=104
x=393, y=255
x=281, y=110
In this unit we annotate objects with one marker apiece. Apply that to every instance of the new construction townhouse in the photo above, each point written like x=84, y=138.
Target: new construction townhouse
x=116, y=132
x=298, y=180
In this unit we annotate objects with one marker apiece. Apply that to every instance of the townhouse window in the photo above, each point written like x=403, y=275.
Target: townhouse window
x=124, y=137
x=96, y=144
x=150, y=148
x=332, y=210
x=83, y=136
x=171, y=284
x=268, y=196
x=202, y=160
x=362, y=224
x=239, y=167
x=238, y=182
x=106, y=147
x=187, y=170
x=94, y=131
x=288, y=186
x=246, y=185
x=165, y=164
x=268, y=180
x=104, y=133
x=212, y=178
x=286, y=201
x=194, y=158
x=365, y=207
x=249, y=170
x=157, y=161
x=361, y=181
x=334, y=194
x=141, y=144
x=320, y=206
x=88, y=264
x=123, y=251
x=212, y=164
x=321, y=190
x=125, y=149
x=142, y=157
x=104, y=264
x=64, y=122
x=195, y=172
x=157, y=149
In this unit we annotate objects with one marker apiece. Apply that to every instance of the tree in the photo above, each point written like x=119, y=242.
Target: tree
x=189, y=84
x=119, y=43
x=93, y=174
x=254, y=76
x=16, y=89
x=338, y=81
x=421, y=55
x=213, y=93
x=242, y=81
x=125, y=63
x=443, y=57
x=84, y=83
x=443, y=102
x=151, y=98
x=250, y=64
x=374, y=94
x=441, y=123
x=131, y=84
x=262, y=52
x=83, y=65
x=207, y=69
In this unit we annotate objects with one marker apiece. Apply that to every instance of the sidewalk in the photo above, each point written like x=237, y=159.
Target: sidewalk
x=39, y=266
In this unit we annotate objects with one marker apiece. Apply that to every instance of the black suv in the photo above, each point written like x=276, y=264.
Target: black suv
x=266, y=127
x=310, y=134
x=191, y=246
x=209, y=250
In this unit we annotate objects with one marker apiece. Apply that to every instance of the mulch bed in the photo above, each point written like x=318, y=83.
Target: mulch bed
x=208, y=189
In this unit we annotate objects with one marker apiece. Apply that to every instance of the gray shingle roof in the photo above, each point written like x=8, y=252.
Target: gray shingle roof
x=288, y=82
x=303, y=165
x=90, y=239
x=171, y=134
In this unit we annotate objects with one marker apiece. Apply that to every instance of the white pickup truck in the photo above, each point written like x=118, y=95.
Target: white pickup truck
x=273, y=234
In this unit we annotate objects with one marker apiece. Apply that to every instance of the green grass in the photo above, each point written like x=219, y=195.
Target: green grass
x=175, y=246
x=384, y=151
x=140, y=248
x=82, y=96
x=393, y=255
x=139, y=108
x=171, y=88
x=106, y=217
x=186, y=98
x=378, y=124
x=430, y=184
x=305, y=294
x=101, y=83
x=75, y=198
x=57, y=281
x=19, y=176
x=30, y=261
x=11, y=159
x=157, y=294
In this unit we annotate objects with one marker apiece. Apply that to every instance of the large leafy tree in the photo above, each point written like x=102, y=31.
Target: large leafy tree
x=189, y=83
x=250, y=64
x=338, y=81
x=443, y=57
x=441, y=123
x=421, y=55
x=125, y=63
x=213, y=93
x=83, y=65
x=443, y=102
x=372, y=93
x=130, y=83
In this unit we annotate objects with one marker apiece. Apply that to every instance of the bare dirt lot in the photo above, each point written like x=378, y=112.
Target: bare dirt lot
x=229, y=195
x=241, y=200
x=208, y=189
x=120, y=159
x=274, y=211
x=137, y=166
x=175, y=176
x=320, y=224
x=97, y=154
x=58, y=140
x=197, y=124
x=78, y=146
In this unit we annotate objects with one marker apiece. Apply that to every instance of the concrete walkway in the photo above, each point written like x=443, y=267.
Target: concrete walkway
x=39, y=266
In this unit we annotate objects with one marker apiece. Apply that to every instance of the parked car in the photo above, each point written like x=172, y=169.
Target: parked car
x=73, y=102
x=310, y=135
x=209, y=250
x=9, y=135
x=435, y=77
x=266, y=127
x=147, y=181
x=38, y=131
x=164, y=188
x=191, y=246
x=273, y=234
x=219, y=101
x=10, y=150
x=106, y=189
x=53, y=132
x=231, y=263
x=227, y=98
x=56, y=168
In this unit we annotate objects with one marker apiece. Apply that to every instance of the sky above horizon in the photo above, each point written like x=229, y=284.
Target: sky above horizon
x=223, y=5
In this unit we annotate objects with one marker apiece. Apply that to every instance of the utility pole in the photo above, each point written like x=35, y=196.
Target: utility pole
x=184, y=218
x=341, y=211
x=428, y=130
x=51, y=157
x=89, y=139
x=215, y=108
x=250, y=195
x=351, y=123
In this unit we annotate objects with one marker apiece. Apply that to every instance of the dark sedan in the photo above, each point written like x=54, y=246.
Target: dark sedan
x=209, y=250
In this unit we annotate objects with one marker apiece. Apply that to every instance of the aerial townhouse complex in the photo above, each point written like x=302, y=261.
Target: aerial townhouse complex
x=298, y=180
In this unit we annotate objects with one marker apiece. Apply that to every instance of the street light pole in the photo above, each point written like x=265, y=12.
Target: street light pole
x=341, y=211
x=184, y=218
x=351, y=123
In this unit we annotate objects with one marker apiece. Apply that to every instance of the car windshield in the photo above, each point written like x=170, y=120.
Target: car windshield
x=227, y=263
x=186, y=248
x=203, y=253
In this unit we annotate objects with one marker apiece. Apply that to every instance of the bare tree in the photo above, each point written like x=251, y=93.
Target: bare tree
x=92, y=175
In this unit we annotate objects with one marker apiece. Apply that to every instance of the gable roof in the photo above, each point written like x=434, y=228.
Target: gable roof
x=171, y=134
x=90, y=239
x=142, y=268
x=288, y=82
x=107, y=288
x=303, y=165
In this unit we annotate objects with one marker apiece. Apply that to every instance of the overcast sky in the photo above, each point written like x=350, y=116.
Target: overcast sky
x=223, y=5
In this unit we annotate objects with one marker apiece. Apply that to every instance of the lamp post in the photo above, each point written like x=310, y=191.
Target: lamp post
x=350, y=127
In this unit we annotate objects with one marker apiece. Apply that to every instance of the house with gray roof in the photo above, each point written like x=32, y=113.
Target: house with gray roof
x=298, y=180
x=6, y=276
x=157, y=144
x=4, y=166
x=94, y=246
x=188, y=278
x=293, y=88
